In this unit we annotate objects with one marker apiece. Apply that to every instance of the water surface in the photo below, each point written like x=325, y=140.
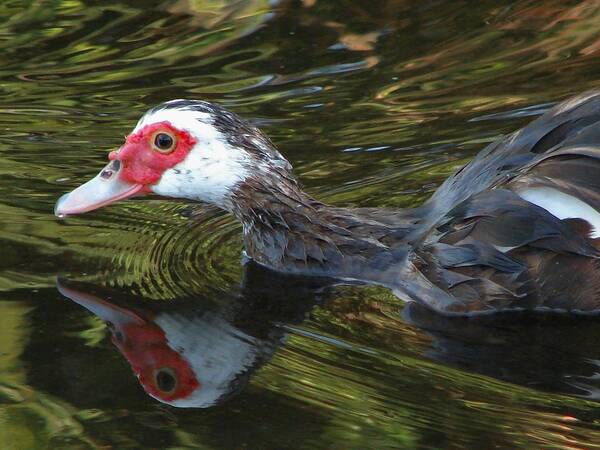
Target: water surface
x=374, y=103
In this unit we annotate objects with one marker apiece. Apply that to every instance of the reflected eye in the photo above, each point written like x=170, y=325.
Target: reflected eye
x=166, y=380
x=163, y=142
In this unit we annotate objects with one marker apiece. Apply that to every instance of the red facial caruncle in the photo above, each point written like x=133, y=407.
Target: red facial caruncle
x=145, y=157
x=133, y=169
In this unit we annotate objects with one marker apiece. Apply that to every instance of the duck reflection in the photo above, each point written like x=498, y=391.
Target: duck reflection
x=550, y=352
x=197, y=353
x=191, y=353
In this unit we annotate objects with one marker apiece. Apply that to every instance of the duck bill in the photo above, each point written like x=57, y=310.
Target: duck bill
x=105, y=188
x=106, y=311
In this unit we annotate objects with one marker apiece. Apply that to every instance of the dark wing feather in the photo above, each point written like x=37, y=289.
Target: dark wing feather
x=484, y=244
x=496, y=251
x=570, y=128
x=572, y=174
x=503, y=219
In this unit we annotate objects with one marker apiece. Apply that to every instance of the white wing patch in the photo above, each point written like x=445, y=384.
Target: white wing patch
x=563, y=206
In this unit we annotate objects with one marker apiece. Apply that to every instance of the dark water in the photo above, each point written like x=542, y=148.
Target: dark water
x=374, y=103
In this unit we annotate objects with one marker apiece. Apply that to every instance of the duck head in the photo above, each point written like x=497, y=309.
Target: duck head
x=182, y=149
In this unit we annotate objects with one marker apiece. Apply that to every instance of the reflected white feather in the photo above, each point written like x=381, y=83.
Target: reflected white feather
x=216, y=351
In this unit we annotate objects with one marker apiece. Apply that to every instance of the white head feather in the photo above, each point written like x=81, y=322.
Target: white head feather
x=212, y=169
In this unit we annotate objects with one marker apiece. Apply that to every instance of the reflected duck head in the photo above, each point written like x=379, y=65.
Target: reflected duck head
x=181, y=360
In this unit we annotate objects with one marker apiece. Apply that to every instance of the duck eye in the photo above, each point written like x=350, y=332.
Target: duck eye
x=164, y=142
x=166, y=380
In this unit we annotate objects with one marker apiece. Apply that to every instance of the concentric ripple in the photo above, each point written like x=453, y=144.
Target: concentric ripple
x=156, y=250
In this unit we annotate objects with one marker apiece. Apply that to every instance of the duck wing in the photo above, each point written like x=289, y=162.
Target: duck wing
x=518, y=227
x=570, y=130
x=497, y=251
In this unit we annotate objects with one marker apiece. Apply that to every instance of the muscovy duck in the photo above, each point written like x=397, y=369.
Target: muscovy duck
x=514, y=229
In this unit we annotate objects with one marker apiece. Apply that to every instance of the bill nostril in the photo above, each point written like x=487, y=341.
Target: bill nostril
x=111, y=169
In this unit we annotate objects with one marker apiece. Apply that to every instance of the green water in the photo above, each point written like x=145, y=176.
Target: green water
x=374, y=103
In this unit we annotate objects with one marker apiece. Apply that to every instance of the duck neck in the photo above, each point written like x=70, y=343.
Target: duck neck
x=284, y=228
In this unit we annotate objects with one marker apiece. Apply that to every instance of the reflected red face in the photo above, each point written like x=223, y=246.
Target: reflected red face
x=150, y=151
x=164, y=373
